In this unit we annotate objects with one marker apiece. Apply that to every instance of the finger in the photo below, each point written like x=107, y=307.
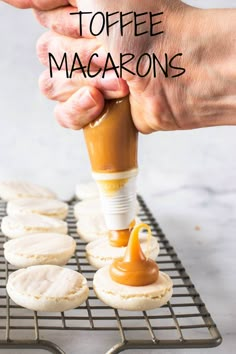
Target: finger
x=58, y=45
x=80, y=109
x=153, y=112
x=60, y=21
x=60, y=88
x=144, y=114
x=40, y=4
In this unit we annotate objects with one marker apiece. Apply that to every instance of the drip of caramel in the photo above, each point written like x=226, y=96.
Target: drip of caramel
x=120, y=238
x=135, y=269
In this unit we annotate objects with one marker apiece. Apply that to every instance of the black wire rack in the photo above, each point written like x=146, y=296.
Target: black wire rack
x=183, y=323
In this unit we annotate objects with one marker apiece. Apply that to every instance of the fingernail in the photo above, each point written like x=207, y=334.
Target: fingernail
x=86, y=100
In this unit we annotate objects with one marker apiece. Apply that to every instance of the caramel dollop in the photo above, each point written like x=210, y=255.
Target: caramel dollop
x=135, y=269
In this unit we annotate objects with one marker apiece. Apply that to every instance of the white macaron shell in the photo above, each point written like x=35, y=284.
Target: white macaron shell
x=47, y=288
x=47, y=207
x=101, y=253
x=10, y=190
x=18, y=226
x=133, y=298
x=37, y=249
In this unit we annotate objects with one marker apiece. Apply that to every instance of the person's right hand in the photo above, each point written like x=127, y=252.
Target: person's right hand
x=203, y=96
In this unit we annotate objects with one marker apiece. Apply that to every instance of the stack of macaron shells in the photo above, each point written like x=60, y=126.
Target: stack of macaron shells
x=40, y=246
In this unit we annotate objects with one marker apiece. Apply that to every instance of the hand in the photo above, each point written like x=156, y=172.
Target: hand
x=80, y=99
x=40, y=4
x=204, y=96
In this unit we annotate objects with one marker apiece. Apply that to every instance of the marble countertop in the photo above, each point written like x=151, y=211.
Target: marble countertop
x=188, y=179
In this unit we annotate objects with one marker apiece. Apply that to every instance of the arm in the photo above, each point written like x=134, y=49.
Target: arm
x=209, y=86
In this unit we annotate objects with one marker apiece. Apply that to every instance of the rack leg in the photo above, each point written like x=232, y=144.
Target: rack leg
x=27, y=345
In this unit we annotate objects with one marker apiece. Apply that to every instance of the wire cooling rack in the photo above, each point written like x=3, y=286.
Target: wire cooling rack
x=183, y=323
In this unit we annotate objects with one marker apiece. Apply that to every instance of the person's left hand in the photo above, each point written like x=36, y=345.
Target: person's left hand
x=64, y=30
x=79, y=96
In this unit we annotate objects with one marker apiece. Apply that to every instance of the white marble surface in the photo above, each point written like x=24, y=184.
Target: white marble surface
x=187, y=178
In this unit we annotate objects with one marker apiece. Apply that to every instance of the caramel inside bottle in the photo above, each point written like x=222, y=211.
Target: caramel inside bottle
x=135, y=269
x=112, y=139
x=112, y=143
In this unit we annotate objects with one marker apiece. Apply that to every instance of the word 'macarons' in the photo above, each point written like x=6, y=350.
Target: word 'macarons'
x=137, y=24
x=142, y=66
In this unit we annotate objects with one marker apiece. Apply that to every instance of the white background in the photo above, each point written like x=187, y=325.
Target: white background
x=34, y=147
x=188, y=178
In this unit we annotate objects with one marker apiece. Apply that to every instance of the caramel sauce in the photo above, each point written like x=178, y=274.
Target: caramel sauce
x=112, y=138
x=120, y=238
x=135, y=269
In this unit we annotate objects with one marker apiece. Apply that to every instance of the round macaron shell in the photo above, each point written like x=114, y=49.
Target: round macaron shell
x=41, y=206
x=87, y=190
x=132, y=298
x=17, y=226
x=92, y=227
x=47, y=288
x=99, y=252
x=37, y=249
x=10, y=190
x=88, y=207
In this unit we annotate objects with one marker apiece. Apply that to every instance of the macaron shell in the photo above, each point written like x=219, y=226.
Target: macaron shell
x=37, y=249
x=88, y=207
x=99, y=252
x=10, y=190
x=18, y=226
x=39, y=288
x=87, y=190
x=41, y=206
x=133, y=298
x=92, y=227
